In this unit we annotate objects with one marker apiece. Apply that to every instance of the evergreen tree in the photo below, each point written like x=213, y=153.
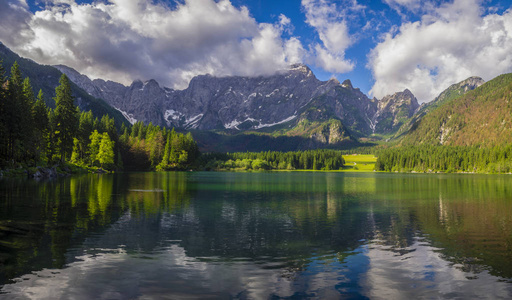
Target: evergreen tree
x=85, y=128
x=167, y=152
x=27, y=127
x=51, y=148
x=13, y=113
x=3, y=127
x=66, y=117
x=41, y=124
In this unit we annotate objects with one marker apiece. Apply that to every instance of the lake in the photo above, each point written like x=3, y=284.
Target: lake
x=208, y=235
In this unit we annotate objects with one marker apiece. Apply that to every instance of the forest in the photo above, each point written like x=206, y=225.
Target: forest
x=430, y=158
x=34, y=135
x=273, y=160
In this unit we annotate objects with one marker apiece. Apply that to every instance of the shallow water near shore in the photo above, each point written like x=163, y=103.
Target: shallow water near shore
x=257, y=235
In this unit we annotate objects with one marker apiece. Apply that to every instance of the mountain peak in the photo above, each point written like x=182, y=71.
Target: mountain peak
x=152, y=82
x=472, y=83
x=69, y=71
x=347, y=84
x=302, y=68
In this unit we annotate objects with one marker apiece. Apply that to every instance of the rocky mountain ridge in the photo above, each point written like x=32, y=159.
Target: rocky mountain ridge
x=393, y=111
x=289, y=110
x=291, y=103
x=236, y=103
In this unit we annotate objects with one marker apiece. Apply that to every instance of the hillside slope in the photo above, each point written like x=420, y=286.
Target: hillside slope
x=481, y=117
x=46, y=78
x=453, y=92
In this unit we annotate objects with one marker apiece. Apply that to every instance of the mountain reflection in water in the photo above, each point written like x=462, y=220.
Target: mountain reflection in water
x=257, y=235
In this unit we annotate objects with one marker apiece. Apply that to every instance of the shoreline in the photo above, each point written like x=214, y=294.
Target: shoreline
x=55, y=171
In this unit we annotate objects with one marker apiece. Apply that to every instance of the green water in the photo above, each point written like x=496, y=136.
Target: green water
x=257, y=236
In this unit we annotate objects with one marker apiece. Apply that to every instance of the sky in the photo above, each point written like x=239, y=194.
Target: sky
x=382, y=46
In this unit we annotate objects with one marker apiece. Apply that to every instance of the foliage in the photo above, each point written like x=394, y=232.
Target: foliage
x=46, y=78
x=44, y=136
x=430, y=158
x=106, y=150
x=154, y=148
x=66, y=118
x=273, y=160
x=481, y=117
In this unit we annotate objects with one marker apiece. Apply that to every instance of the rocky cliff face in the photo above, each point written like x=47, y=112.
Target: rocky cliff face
x=265, y=103
x=393, y=111
x=242, y=103
x=236, y=103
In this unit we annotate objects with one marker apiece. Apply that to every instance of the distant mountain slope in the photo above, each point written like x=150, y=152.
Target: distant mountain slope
x=394, y=111
x=454, y=91
x=47, y=78
x=482, y=116
x=276, y=104
x=235, y=103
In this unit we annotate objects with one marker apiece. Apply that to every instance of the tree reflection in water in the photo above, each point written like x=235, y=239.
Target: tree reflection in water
x=281, y=234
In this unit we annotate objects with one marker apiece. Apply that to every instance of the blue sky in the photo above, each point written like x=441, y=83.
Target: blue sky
x=382, y=46
x=361, y=77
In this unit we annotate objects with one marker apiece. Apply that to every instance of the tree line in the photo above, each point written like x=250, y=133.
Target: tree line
x=273, y=160
x=430, y=158
x=32, y=134
x=154, y=148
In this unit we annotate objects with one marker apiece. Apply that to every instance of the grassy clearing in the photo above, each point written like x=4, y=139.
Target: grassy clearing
x=359, y=163
x=353, y=163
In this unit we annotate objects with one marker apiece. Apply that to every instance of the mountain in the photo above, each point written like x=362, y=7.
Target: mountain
x=292, y=103
x=393, y=111
x=482, y=116
x=46, y=78
x=234, y=103
x=451, y=93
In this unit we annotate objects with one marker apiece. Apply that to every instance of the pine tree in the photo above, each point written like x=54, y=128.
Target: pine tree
x=85, y=128
x=51, y=148
x=164, y=164
x=28, y=139
x=41, y=124
x=3, y=127
x=13, y=111
x=167, y=152
x=120, y=164
x=66, y=117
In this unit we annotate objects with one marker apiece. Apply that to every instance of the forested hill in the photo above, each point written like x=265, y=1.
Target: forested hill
x=46, y=78
x=482, y=117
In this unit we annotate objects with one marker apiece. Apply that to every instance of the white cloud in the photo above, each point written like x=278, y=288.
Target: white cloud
x=411, y=5
x=124, y=40
x=294, y=51
x=13, y=18
x=329, y=21
x=331, y=62
x=450, y=44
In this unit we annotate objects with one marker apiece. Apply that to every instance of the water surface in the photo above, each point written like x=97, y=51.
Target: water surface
x=257, y=236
